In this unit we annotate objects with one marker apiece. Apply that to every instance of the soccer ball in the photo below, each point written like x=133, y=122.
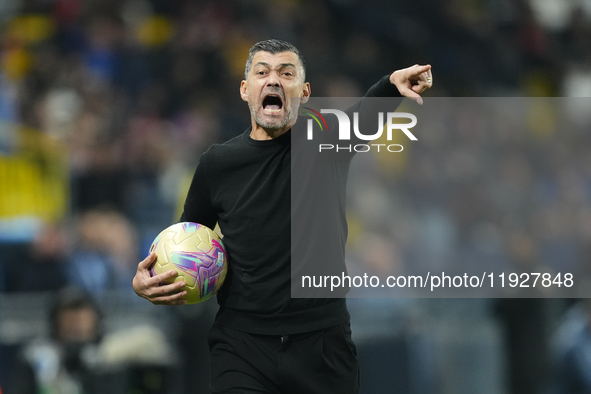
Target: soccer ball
x=197, y=254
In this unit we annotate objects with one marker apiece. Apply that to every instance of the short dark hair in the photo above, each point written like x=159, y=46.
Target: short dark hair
x=273, y=46
x=73, y=298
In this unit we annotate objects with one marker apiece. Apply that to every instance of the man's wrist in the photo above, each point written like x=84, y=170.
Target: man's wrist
x=393, y=79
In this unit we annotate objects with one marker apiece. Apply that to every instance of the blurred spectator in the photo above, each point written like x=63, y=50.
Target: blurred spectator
x=138, y=359
x=104, y=184
x=62, y=363
x=105, y=255
x=572, y=355
x=39, y=265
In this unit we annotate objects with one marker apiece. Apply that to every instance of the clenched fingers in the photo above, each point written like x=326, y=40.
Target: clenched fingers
x=413, y=80
x=422, y=81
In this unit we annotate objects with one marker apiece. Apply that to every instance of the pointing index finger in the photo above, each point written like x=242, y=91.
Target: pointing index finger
x=417, y=70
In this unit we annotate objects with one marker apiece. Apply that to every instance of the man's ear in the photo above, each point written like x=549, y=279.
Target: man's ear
x=306, y=93
x=243, y=91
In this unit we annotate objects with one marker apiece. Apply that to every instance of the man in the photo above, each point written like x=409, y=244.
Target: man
x=264, y=341
x=62, y=363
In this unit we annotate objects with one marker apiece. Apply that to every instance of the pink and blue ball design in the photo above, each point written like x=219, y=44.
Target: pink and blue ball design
x=204, y=266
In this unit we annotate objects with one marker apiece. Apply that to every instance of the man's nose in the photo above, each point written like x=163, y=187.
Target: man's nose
x=273, y=80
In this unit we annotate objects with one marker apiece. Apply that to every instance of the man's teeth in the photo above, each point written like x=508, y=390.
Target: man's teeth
x=272, y=108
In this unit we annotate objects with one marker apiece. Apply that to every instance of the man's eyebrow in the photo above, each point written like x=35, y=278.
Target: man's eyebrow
x=282, y=65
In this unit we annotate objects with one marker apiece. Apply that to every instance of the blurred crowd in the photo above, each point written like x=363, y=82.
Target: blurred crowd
x=106, y=106
x=495, y=185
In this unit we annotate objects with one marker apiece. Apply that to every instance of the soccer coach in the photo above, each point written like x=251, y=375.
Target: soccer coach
x=262, y=340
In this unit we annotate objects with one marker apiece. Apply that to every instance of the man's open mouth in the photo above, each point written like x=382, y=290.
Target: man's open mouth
x=272, y=103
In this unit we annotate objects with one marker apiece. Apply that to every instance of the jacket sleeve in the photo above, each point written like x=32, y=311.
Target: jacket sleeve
x=383, y=88
x=198, y=205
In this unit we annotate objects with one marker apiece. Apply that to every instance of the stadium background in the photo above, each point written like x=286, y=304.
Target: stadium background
x=105, y=107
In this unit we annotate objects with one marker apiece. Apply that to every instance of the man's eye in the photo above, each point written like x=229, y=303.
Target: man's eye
x=288, y=73
x=261, y=72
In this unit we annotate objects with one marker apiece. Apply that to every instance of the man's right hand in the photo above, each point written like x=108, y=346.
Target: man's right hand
x=148, y=286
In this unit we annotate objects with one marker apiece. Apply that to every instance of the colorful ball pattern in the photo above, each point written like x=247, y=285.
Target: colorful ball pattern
x=197, y=254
